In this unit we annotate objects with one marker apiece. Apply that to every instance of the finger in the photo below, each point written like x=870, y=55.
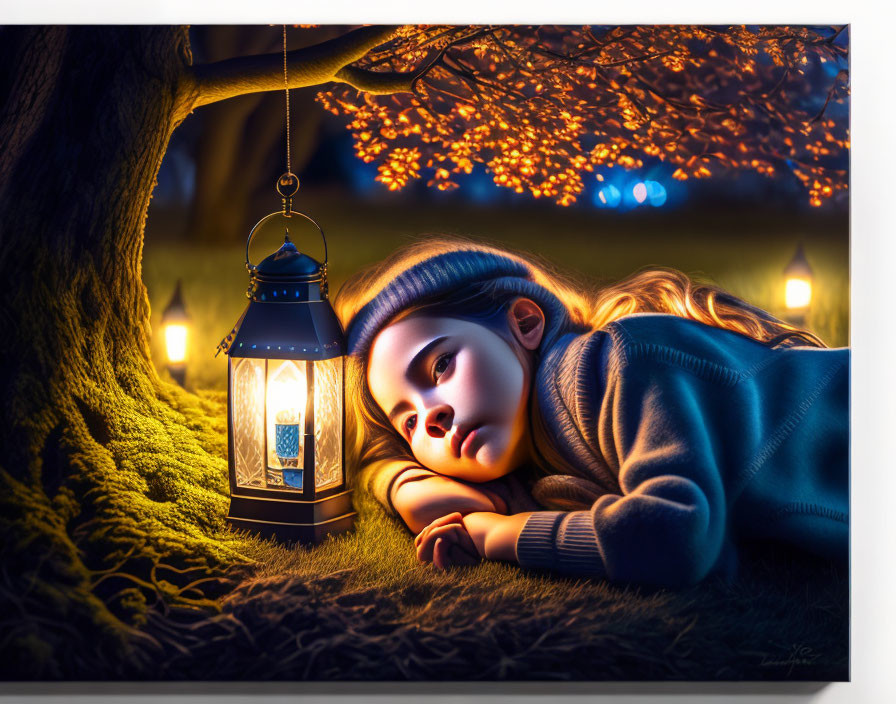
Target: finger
x=439, y=556
x=442, y=520
x=424, y=553
x=426, y=546
x=459, y=536
x=462, y=549
x=451, y=518
x=460, y=556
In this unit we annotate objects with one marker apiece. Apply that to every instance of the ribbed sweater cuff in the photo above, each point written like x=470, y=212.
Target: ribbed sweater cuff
x=561, y=541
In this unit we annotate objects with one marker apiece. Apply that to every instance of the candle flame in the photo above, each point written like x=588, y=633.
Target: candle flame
x=286, y=398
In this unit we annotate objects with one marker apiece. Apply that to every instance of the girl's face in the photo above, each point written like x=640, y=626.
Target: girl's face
x=456, y=391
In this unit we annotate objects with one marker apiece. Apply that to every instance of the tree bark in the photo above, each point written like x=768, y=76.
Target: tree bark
x=74, y=190
x=113, y=483
x=101, y=460
x=308, y=66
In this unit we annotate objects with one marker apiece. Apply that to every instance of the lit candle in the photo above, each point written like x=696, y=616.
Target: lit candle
x=286, y=399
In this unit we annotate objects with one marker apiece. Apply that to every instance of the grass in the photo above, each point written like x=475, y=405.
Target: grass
x=358, y=607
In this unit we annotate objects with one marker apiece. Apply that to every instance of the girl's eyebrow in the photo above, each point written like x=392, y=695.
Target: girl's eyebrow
x=401, y=406
x=425, y=350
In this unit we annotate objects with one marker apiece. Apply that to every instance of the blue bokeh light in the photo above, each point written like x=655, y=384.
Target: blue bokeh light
x=656, y=193
x=608, y=197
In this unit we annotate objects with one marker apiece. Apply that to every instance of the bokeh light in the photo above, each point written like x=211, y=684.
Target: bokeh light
x=176, y=342
x=797, y=293
x=608, y=196
x=640, y=192
x=656, y=193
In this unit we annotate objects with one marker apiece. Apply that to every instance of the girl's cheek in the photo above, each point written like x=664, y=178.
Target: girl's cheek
x=502, y=378
x=420, y=454
x=460, y=387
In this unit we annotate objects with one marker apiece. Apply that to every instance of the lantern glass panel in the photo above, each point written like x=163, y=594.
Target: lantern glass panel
x=287, y=394
x=247, y=397
x=328, y=422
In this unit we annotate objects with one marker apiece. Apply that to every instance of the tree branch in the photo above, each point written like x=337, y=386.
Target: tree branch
x=841, y=73
x=376, y=82
x=309, y=66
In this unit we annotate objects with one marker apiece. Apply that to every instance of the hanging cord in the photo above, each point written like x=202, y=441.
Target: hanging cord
x=287, y=184
x=286, y=89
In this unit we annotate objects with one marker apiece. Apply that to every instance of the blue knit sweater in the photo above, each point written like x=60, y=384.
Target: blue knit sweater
x=700, y=437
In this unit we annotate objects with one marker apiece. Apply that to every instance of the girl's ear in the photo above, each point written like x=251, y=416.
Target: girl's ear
x=526, y=322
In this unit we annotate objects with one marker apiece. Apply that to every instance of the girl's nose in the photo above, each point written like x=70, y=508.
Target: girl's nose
x=439, y=420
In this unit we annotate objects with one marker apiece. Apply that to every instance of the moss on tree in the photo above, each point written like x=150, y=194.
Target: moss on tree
x=112, y=482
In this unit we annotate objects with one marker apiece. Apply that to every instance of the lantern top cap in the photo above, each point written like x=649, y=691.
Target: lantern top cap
x=799, y=265
x=288, y=263
x=175, y=311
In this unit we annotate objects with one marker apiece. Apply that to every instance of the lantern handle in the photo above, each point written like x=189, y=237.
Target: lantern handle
x=252, y=267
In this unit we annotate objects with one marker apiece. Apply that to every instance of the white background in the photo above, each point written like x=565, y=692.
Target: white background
x=873, y=276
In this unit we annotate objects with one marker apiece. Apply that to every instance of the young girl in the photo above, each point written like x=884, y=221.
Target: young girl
x=635, y=433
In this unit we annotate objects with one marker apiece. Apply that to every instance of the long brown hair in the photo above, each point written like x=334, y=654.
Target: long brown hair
x=371, y=437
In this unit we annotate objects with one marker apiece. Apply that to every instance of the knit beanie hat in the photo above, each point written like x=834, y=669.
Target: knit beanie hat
x=449, y=272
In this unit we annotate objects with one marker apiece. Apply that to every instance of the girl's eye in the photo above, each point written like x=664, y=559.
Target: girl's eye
x=441, y=365
x=410, y=423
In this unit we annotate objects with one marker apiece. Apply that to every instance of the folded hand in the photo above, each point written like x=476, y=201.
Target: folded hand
x=446, y=542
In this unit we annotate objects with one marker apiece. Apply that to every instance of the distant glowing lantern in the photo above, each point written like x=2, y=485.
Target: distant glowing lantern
x=286, y=396
x=798, y=282
x=176, y=329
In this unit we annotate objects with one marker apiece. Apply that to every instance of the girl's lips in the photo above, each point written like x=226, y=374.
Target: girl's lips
x=468, y=441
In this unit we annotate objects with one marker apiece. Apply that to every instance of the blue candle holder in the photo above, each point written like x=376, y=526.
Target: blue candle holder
x=286, y=444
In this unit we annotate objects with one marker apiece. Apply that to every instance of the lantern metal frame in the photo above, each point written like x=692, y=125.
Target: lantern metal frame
x=309, y=514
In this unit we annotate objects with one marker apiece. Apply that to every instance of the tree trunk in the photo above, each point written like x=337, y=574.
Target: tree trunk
x=113, y=483
x=103, y=464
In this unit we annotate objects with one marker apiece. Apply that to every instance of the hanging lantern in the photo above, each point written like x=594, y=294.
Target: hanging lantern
x=176, y=329
x=286, y=395
x=798, y=282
